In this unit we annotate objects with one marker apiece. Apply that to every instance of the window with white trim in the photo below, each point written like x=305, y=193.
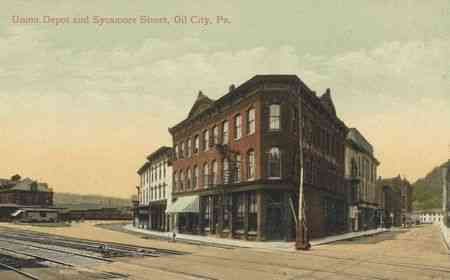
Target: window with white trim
x=225, y=134
x=196, y=143
x=251, y=121
x=205, y=140
x=215, y=138
x=274, y=117
x=237, y=127
x=206, y=175
x=274, y=163
x=251, y=166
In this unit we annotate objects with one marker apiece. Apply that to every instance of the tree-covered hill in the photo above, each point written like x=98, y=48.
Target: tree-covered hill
x=427, y=192
x=79, y=201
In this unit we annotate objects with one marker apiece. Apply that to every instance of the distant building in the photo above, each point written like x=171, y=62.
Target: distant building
x=155, y=191
x=236, y=164
x=20, y=193
x=361, y=171
x=401, y=191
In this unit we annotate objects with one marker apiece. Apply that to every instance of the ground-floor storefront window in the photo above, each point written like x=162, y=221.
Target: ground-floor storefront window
x=252, y=212
x=237, y=215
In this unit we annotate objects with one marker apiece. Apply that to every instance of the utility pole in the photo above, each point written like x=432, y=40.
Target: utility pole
x=302, y=239
x=445, y=195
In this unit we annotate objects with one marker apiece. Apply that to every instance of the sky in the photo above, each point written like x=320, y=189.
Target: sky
x=82, y=105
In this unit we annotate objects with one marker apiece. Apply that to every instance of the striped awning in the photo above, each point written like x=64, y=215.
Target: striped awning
x=184, y=204
x=16, y=213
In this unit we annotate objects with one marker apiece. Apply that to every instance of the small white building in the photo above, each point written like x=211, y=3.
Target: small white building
x=155, y=191
x=431, y=216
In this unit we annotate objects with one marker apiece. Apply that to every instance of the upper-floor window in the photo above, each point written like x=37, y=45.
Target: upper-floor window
x=225, y=171
x=206, y=175
x=274, y=163
x=196, y=143
x=182, y=148
x=274, y=117
x=251, y=121
x=205, y=140
x=176, y=151
x=251, y=165
x=237, y=169
x=175, y=180
x=215, y=138
x=189, y=147
x=181, y=180
x=225, y=134
x=237, y=127
x=195, y=177
x=188, y=178
x=214, y=172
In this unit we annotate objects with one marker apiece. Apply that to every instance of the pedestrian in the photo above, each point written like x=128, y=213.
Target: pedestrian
x=174, y=236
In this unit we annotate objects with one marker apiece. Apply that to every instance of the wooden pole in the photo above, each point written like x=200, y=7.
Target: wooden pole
x=445, y=195
x=301, y=240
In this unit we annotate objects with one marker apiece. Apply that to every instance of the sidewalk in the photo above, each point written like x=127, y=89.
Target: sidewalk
x=233, y=243
x=445, y=235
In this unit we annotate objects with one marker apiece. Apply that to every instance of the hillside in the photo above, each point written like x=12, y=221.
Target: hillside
x=78, y=201
x=427, y=192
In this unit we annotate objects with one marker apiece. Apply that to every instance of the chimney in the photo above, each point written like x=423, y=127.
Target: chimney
x=328, y=91
x=231, y=88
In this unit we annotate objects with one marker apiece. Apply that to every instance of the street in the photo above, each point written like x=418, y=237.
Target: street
x=417, y=253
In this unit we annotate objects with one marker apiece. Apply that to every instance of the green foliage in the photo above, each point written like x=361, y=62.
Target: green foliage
x=427, y=192
x=78, y=201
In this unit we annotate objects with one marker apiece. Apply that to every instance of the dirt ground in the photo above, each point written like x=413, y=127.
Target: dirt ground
x=417, y=253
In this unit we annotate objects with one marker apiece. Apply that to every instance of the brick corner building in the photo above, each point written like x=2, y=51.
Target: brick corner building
x=236, y=165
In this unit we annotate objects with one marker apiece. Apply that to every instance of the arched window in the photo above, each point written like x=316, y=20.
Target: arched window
x=188, y=178
x=196, y=143
x=251, y=121
x=189, y=147
x=274, y=163
x=251, y=165
x=206, y=140
x=182, y=150
x=175, y=181
x=274, y=117
x=215, y=138
x=181, y=180
x=206, y=180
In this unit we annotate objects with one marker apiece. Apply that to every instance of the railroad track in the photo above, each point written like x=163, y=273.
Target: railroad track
x=19, y=271
x=41, y=256
x=106, y=249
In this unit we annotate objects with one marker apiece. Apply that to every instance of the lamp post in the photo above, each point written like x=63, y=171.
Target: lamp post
x=302, y=239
